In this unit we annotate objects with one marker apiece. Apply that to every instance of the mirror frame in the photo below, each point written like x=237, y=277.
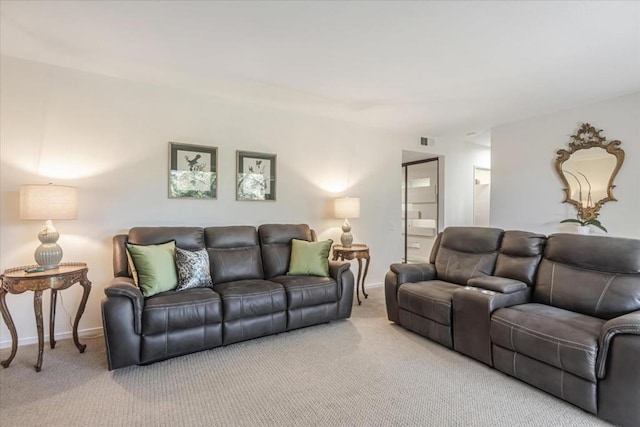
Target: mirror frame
x=589, y=137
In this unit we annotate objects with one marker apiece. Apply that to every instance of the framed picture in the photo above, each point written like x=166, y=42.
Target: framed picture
x=255, y=176
x=193, y=171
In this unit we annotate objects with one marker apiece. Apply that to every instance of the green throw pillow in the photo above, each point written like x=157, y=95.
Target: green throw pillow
x=309, y=258
x=155, y=266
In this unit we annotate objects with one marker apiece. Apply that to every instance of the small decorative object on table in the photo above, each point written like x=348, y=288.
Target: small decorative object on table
x=255, y=176
x=358, y=252
x=347, y=207
x=193, y=171
x=31, y=278
x=48, y=202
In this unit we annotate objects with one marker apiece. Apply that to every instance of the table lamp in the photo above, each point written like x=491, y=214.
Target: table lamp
x=347, y=207
x=48, y=202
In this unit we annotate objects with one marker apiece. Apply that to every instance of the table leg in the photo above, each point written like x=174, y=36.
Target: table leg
x=52, y=318
x=12, y=328
x=358, y=281
x=364, y=276
x=86, y=285
x=37, y=308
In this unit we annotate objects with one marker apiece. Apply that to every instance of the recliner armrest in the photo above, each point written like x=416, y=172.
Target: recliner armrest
x=497, y=284
x=336, y=268
x=125, y=287
x=627, y=324
x=414, y=272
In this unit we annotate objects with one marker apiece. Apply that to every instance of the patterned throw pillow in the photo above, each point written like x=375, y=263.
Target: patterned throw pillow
x=193, y=269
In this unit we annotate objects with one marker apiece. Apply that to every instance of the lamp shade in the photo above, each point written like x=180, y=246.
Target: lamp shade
x=347, y=207
x=46, y=202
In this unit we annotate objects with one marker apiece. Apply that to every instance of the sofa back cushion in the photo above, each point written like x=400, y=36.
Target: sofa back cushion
x=467, y=252
x=234, y=253
x=593, y=275
x=190, y=238
x=520, y=255
x=275, y=240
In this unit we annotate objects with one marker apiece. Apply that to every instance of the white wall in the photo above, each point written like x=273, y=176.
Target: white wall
x=109, y=137
x=526, y=192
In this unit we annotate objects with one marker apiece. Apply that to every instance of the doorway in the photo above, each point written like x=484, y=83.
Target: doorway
x=420, y=208
x=481, y=196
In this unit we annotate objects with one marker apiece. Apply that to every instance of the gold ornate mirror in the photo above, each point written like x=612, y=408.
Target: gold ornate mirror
x=587, y=170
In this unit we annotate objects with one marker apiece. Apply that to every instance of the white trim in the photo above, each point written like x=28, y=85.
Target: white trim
x=373, y=285
x=92, y=332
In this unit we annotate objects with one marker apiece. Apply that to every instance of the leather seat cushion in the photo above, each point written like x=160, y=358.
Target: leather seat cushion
x=430, y=299
x=173, y=310
x=247, y=298
x=557, y=337
x=307, y=291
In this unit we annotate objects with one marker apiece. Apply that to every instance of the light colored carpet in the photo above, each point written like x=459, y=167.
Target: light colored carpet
x=363, y=371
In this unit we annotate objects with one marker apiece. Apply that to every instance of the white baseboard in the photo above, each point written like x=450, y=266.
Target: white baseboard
x=91, y=332
x=373, y=285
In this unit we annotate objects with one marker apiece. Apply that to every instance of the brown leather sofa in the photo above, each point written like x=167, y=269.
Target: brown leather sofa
x=561, y=313
x=252, y=295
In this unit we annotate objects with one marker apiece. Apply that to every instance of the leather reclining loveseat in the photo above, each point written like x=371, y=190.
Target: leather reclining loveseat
x=561, y=313
x=252, y=295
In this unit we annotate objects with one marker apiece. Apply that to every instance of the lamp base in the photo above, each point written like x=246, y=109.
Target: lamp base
x=346, y=239
x=49, y=254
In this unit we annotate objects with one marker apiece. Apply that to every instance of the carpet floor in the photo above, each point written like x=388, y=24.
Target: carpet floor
x=364, y=371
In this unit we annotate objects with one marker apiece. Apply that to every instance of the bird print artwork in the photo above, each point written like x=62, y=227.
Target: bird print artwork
x=259, y=167
x=193, y=163
x=193, y=172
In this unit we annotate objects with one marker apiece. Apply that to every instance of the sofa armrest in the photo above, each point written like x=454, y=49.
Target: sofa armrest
x=403, y=273
x=340, y=271
x=125, y=287
x=628, y=324
x=497, y=284
x=336, y=268
x=336, y=271
x=472, y=310
x=414, y=272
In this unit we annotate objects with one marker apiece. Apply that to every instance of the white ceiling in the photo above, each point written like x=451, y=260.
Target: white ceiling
x=433, y=68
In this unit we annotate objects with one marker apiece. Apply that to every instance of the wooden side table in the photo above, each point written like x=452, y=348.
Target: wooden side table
x=358, y=252
x=17, y=281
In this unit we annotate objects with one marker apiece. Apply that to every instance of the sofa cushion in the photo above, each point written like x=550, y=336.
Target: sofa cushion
x=247, y=298
x=472, y=239
x=155, y=267
x=599, y=253
x=193, y=269
x=520, y=253
x=557, y=337
x=431, y=299
x=173, y=310
x=275, y=241
x=593, y=275
x=467, y=252
x=306, y=291
x=234, y=253
x=595, y=293
x=191, y=238
x=309, y=258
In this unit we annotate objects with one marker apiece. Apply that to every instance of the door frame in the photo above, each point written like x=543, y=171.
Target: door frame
x=405, y=166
